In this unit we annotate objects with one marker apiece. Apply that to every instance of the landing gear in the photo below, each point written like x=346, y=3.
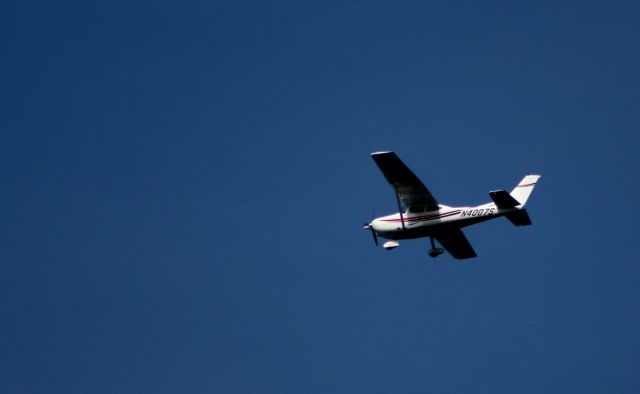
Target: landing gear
x=435, y=252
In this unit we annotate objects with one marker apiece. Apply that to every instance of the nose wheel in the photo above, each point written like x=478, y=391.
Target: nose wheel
x=435, y=252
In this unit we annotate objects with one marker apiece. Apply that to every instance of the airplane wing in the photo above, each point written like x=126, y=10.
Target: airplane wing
x=454, y=241
x=410, y=190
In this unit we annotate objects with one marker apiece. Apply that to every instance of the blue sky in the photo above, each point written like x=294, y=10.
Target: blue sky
x=184, y=187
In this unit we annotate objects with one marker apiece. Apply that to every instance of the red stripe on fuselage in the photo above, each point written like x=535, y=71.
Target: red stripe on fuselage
x=424, y=218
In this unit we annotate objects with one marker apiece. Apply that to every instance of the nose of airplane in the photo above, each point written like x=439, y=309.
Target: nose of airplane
x=373, y=225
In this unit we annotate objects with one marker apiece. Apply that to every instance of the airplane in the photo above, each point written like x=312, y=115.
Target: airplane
x=420, y=215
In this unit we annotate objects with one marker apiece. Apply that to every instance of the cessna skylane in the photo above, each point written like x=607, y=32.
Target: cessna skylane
x=420, y=215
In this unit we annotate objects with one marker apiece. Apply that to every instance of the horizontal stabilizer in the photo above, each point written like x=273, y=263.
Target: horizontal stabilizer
x=519, y=218
x=503, y=199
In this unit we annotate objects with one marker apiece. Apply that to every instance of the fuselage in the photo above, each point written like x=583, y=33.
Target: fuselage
x=416, y=224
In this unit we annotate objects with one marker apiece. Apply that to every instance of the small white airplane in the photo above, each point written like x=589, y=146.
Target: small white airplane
x=420, y=215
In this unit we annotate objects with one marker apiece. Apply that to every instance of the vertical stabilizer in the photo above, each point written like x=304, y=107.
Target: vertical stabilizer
x=522, y=192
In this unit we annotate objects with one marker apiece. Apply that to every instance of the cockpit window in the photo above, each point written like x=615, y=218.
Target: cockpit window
x=416, y=209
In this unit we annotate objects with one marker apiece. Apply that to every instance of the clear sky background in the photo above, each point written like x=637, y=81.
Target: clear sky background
x=184, y=187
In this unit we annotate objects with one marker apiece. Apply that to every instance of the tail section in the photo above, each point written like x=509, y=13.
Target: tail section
x=522, y=192
x=513, y=203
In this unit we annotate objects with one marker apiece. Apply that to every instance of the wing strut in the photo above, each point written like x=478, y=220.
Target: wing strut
x=400, y=209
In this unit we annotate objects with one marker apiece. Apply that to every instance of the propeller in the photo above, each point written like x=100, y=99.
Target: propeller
x=369, y=226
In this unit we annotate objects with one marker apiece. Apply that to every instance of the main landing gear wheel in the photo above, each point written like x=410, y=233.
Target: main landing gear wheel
x=435, y=252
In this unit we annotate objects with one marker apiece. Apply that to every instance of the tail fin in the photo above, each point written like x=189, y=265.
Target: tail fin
x=522, y=192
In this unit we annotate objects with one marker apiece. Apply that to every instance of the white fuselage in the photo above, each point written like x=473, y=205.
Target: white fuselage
x=421, y=224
